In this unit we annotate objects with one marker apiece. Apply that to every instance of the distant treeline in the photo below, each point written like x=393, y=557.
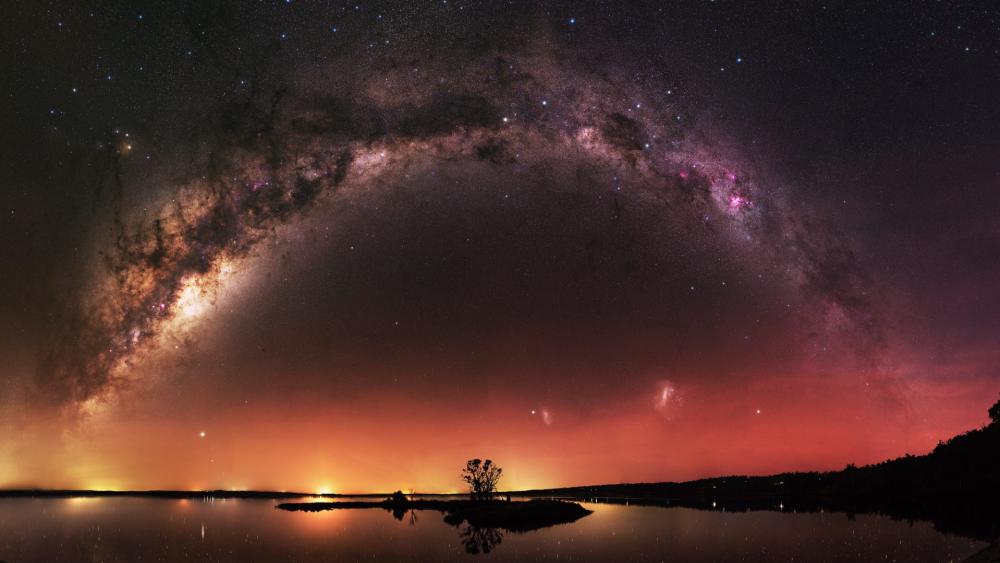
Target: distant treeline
x=957, y=486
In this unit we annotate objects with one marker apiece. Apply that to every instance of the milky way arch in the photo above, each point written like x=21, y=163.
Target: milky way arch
x=278, y=152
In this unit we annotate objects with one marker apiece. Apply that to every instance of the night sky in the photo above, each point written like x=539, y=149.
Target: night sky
x=298, y=245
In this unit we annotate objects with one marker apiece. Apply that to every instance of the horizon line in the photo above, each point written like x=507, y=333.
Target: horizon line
x=221, y=492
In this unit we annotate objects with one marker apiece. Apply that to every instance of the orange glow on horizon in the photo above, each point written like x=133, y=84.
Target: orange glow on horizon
x=315, y=452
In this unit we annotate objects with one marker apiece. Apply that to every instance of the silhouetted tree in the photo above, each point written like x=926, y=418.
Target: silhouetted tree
x=482, y=477
x=995, y=412
x=398, y=504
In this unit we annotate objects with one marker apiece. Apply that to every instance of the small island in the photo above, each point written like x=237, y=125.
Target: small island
x=481, y=510
x=513, y=516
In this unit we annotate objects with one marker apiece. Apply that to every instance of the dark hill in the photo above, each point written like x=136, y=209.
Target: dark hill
x=957, y=486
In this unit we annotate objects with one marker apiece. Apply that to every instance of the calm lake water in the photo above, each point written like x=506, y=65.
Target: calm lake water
x=146, y=529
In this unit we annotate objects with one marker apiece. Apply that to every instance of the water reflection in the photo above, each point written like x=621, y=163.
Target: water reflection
x=411, y=515
x=134, y=529
x=480, y=540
